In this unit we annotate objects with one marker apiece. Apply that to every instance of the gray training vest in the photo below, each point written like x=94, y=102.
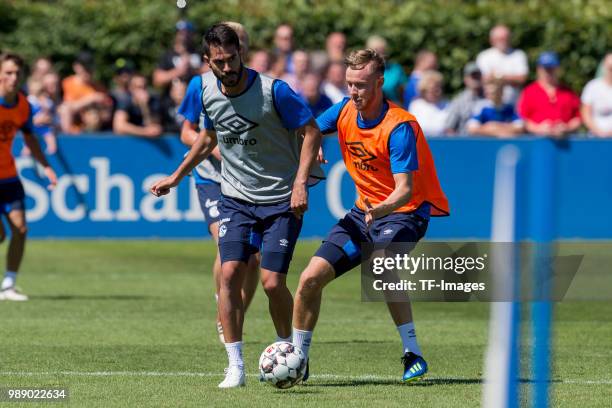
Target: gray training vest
x=260, y=156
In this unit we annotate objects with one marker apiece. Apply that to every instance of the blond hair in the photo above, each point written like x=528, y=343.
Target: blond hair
x=428, y=79
x=242, y=36
x=360, y=58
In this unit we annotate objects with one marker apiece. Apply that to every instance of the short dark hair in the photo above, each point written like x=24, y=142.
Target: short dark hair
x=86, y=60
x=360, y=58
x=9, y=56
x=220, y=35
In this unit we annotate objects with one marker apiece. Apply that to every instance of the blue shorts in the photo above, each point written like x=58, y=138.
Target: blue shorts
x=342, y=247
x=247, y=228
x=12, y=196
x=209, y=195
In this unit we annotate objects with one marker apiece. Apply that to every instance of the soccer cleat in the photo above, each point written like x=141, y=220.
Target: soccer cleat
x=234, y=377
x=306, y=371
x=220, y=332
x=12, y=294
x=415, y=367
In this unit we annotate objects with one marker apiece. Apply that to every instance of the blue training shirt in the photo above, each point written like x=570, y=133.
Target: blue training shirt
x=402, y=142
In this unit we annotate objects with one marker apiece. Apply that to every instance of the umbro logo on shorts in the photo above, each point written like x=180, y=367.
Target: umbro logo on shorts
x=387, y=231
x=284, y=242
x=210, y=203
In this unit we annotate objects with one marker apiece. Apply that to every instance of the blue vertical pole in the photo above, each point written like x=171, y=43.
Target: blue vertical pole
x=542, y=229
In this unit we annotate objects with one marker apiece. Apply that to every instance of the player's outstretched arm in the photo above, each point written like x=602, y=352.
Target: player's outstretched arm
x=32, y=143
x=308, y=156
x=204, y=144
x=399, y=197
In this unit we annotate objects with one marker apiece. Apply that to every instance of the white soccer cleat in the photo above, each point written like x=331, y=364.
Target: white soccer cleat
x=12, y=294
x=234, y=377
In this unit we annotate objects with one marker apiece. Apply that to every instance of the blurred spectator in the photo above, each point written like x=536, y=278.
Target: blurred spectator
x=463, y=106
x=301, y=67
x=139, y=115
x=395, y=77
x=181, y=61
x=172, y=121
x=334, y=85
x=260, y=61
x=495, y=118
x=95, y=118
x=548, y=108
x=430, y=108
x=503, y=62
x=283, y=46
x=425, y=61
x=311, y=93
x=124, y=69
x=597, y=102
x=44, y=114
x=51, y=88
x=335, y=47
x=82, y=93
x=41, y=67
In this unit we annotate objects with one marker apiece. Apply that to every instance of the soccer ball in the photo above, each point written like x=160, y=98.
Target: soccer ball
x=282, y=364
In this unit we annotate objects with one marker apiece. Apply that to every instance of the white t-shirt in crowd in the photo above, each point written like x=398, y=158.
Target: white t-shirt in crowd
x=431, y=117
x=333, y=92
x=495, y=62
x=598, y=94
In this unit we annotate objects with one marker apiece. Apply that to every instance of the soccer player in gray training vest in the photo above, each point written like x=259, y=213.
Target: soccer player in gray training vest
x=269, y=143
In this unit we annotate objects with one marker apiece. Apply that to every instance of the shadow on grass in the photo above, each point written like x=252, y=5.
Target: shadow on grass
x=298, y=390
x=426, y=382
x=91, y=297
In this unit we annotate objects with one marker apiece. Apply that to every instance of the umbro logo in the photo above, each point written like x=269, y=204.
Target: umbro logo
x=210, y=203
x=284, y=242
x=358, y=151
x=387, y=231
x=237, y=124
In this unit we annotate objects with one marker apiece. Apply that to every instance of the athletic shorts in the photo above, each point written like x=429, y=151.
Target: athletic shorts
x=12, y=196
x=342, y=247
x=209, y=195
x=247, y=228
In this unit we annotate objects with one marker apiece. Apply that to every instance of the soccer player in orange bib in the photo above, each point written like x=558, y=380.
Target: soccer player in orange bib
x=387, y=156
x=15, y=114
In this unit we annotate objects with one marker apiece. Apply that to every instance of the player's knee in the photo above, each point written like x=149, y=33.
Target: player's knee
x=274, y=285
x=19, y=231
x=311, y=283
x=230, y=275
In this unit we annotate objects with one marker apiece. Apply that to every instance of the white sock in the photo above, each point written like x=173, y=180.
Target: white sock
x=234, y=354
x=302, y=338
x=216, y=298
x=9, y=280
x=409, y=339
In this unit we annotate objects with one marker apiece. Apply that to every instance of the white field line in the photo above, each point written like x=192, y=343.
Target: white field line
x=220, y=375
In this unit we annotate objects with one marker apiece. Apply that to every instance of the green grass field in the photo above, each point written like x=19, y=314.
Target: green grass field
x=131, y=323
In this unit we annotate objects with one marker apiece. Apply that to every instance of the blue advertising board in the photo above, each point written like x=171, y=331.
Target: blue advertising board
x=104, y=181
